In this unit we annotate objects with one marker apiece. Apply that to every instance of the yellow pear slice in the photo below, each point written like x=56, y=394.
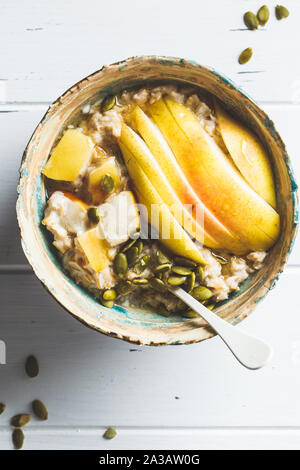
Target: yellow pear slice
x=222, y=189
x=71, y=155
x=248, y=154
x=151, y=168
x=216, y=235
x=95, y=249
x=172, y=235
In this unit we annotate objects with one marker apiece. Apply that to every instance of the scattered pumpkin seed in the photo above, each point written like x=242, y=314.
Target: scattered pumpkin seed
x=157, y=284
x=94, y=215
x=281, y=12
x=39, y=410
x=185, y=262
x=191, y=282
x=32, y=366
x=176, y=280
x=124, y=287
x=18, y=438
x=162, y=258
x=201, y=293
x=2, y=408
x=190, y=314
x=128, y=245
x=120, y=264
x=251, y=20
x=245, y=55
x=107, y=183
x=211, y=306
x=140, y=281
x=132, y=254
x=108, y=303
x=162, y=268
x=18, y=421
x=140, y=246
x=221, y=259
x=142, y=264
x=109, y=294
x=200, y=273
x=263, y=15
x=181, y=270
x=110, y=433
x=108, y=103
x=159, y=275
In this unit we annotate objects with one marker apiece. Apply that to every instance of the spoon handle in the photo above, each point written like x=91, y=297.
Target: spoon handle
x=251, y=352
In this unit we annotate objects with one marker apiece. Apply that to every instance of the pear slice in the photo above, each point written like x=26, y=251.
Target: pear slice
x=216, y=235
x=172, y=235
x=248, y=154
x=95, y=249
x=151, y=168
x=220, y=187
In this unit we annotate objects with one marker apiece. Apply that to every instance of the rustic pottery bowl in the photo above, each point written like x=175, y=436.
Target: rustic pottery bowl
x=139, y=326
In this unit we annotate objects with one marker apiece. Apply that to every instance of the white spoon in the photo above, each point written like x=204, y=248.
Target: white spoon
x=251, y=352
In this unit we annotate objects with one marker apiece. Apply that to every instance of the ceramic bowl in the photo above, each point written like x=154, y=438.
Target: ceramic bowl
x=132, y=325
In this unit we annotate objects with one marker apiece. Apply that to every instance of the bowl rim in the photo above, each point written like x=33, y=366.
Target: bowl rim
x=271, y=128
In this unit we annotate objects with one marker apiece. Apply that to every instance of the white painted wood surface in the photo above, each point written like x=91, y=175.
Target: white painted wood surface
x=90, y=381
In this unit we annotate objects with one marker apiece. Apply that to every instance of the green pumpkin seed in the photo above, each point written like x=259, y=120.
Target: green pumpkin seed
x=251, y=20
x=2, y=408
x=200, y=273
x=120, y=264
x=176, y=280
x=191, y=282
x=109, y=294
x=211, y=306
x=107, y=183
x=159, y=275
x=108, y=303
x=245, y=55
x=32, y=367
x=162, y=258
x=140, y=246
x=157, y=284
x=221, y=259
x=185, y=262
x=18, y=438
x=124, y=287
x=281, y=12
x=263, y=15
x=201, y=293
x=110, y=433
x=132, y=255
x=18, y=421
x=128, y=245
x=162, y=268
x=140, y=281
x=142, y=264
x=190, y=314
x=108, y=103
x=94, y=215
x=181, y=270
x=39, y=410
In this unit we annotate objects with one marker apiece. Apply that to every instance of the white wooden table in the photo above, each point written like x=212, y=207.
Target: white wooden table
x=171, y=397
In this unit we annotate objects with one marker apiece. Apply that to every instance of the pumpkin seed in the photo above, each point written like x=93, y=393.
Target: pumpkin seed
x=142, y=264
x=2, y=408
x=159, y=275
x=157, y=284
x=39, y=410
x=245, y=55
x=191, y=282
x=181, y=270
x=162, y=268
x=201, y=293
x=124, y=287
x=200, y=273
x=18, y=421
x=162, y=258
x=185, y=262
x=108, y=103
x=18, y=438
x=132, y=254
x=176, y=280
x=263, y=15
x=221, y=259
x=120, y=264
x=190, y=314
x=109, y=294
x=32, y=367
x=110, y=433
x=107, y=183
x=128, y=245
x=94, y=215
x=140, y=281
x=281, y=12
x=251, y=20
x=108, y=303
x=211, y=306
x=140, y=246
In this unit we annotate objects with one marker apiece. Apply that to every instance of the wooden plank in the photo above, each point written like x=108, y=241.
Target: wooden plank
x=50, y=47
